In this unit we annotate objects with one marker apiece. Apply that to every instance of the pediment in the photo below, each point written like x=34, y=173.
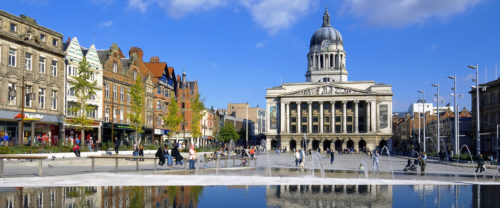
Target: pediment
x=328, y=89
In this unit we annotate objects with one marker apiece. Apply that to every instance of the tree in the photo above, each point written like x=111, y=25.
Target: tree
x=197, y=108
x=228, y=133
x=173, y=118
x=84, y=89
x=137, y=99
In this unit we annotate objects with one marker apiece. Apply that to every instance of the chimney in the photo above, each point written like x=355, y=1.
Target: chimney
x=154, y=59
x=137, y=51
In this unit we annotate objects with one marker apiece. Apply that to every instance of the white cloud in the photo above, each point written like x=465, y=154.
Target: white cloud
x=276, y=15
x=106, y=24
x=180, y=8
x=261, y=44
x=140, y=5
x=398, y=13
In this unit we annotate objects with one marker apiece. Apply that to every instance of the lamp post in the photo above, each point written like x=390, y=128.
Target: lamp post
x=455, y=106
x=478, y=136
x=31, y=97
x=438, y=121
x=424, y=113
x=246, y=129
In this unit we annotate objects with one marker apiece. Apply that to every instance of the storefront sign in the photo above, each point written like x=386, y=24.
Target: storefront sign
x=30, y=116
x=158, y=131
x=166, y=82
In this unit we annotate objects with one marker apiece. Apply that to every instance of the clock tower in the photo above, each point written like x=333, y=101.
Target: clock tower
x=326, y=57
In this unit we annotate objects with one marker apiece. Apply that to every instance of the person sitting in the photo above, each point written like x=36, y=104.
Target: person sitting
x=177, y=155
x=410, y=166
x=161, y=155
x=76, y=150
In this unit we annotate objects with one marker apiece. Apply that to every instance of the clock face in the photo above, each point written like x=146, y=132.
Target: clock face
x=325, y=44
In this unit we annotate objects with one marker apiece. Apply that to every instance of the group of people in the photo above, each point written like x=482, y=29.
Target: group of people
x=163, y=154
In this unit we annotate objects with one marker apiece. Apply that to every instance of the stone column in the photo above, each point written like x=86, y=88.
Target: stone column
x=299, y=119
x=332, y=121
x=373, y=117
x=282, y=116
x=344, y=116
x=287, y=123
x=367, y=104
x=309, y=122
x=321, y=116
x=356, y=129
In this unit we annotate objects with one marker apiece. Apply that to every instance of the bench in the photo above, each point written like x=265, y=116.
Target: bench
x=116, y=157
x=234, y=158
x=22, y=157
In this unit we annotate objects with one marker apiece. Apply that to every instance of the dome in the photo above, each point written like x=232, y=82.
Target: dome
x=326, y=32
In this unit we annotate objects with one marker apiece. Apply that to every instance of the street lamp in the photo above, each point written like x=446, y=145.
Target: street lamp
x=457, y=142
x=478, y=136
x=423, y=110
x=438, y=121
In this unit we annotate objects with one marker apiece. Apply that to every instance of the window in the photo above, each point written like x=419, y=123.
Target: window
x=128, y=119
x=54, y=100
x=42, y=37
x=54, y=68
x=106, y=114
x=166, y=93
x=121, y=94
x=28, y=61
x=12, y=99
x=13, y=27
x=91, y=113
x=106, y=90
x=71, y=91
x=12, y=57
x=72, y=70
x=29, y=90
x=54, y=42
x=41, y=98
x=128, y=98
x=135, y=74
x=158, y=91
x=117, y=112
x=115, y=68
x=121, y=116
x=158, y=106
x=41, y=65
x=114, y=91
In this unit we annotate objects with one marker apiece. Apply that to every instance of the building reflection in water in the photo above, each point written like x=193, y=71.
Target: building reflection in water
x=107, y=196
x=329, y=196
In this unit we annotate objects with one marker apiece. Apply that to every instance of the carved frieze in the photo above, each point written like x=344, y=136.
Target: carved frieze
x=328, y=90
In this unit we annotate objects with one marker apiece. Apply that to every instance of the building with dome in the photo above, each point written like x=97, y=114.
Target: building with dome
x=328, y=110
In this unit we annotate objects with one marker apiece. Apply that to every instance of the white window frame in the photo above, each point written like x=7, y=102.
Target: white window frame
x=12, y=57
x=121, y=94
x=115, y=88
x=121, y=115
x=29, y=61
x=41, y=64
x=115, y=67
x=15, y=27
x=28, y=101
x=54, y=68
x=106, y=90
x=12, y=99
x=41, y=98
x=54, y=100
x=106, y=114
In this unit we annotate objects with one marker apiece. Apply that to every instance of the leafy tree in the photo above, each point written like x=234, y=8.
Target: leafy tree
x=173, y=118
x=84, y=89
x=137, y=99
x=228, y=132
x=197, y=108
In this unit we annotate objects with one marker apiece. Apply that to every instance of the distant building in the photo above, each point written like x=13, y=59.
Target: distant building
x=428, y=107
x=255, y=114
x=489, y=111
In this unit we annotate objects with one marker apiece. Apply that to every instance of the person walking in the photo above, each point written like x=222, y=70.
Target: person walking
x=192, y=157
x=480, y=164
x=302, y=158
x=297, y=158
x=376, y=161
x=117, y=145
x=332, y=157
x=76, y=150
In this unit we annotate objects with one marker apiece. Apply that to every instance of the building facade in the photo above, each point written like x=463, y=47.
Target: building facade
x=186, y=92
x=74, y=55
x=31, y=60
x=255, y=114
x=328, y=111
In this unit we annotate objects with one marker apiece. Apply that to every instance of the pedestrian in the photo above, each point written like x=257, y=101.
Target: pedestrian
x=76, y=150
x=277, y=150
x=160, y=153
x=90, y=143
x=332, y=157
x=205, y=159
x=168, y=157
x=177, y=155
x=141, y=152
x=6, y=139
x=192, y=157
x=297, y=158
x=361, y=168
x=375, y=161
x=422, y=163
x=252, y=152
x=492, y=160
x=480, y=164
x=117, y=145
x=302, y=158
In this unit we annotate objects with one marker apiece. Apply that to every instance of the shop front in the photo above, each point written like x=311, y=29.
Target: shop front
x=93, y=133
x=38, y=129
x=122, y=132
x=161, y=134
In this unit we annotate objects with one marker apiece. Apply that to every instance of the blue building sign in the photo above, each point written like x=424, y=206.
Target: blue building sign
x=166, y=82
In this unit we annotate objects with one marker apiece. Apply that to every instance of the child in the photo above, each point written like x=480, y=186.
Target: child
x=361, y=169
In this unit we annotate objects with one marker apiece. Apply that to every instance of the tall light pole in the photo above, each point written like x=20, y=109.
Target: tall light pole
x=424, y=113
x=478, y=136
x=455, y=106
x=438, y=121
x=246, y=129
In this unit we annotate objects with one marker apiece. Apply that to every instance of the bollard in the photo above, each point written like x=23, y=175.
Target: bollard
x=93, y=165
x=116, y=165
x=1, y=167
x=40, y=167
x=136, y=164
x=155, y=164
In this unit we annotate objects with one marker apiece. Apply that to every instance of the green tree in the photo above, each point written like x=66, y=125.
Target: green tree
x=137, y=99
x=228, y=132
x=173, y=118
x=197, y=108
x=84, y=89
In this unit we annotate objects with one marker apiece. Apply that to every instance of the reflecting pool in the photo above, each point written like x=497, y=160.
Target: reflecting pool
x=255, y=196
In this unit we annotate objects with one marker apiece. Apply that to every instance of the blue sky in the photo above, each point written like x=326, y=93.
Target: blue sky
x=238, y=48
